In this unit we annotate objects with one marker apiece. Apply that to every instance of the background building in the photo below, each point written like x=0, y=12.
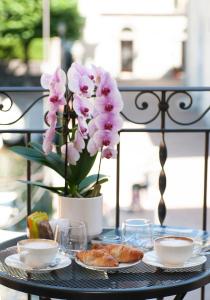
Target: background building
x=198, y=48
x=139, y=40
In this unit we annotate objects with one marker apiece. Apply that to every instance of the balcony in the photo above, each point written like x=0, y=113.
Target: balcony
x=160, y=113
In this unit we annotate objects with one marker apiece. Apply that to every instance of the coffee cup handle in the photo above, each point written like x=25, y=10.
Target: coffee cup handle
x=23, y=255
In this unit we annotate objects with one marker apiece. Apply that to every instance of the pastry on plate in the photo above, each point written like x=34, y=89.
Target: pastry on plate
x=99, y=258
x=122, y=253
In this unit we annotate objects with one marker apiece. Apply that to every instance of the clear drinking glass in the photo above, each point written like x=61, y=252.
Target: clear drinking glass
x=58, y=226
x=138, y=233
x=73, y=238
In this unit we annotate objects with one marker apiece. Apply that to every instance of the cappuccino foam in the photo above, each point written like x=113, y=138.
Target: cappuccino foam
x=170, y=242
x=39, y=245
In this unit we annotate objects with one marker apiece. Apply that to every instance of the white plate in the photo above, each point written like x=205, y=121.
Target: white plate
x=61, y=261
x=150, y=258
x=107, y=269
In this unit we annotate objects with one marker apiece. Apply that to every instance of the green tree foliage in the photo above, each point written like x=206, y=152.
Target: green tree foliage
x=66, y=12
x=21, y=23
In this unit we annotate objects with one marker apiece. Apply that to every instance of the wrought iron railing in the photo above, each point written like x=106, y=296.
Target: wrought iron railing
x=142, y=99
x=164, y=97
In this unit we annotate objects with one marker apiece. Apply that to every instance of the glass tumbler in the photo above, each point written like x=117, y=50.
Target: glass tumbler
x=138, y=233
x=73, y=238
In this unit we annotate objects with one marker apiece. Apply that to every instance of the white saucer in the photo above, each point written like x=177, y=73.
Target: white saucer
x=107, y=269
x=150, y=258
x=61, y=261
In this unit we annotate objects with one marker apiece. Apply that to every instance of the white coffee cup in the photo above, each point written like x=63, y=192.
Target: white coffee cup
x=173, y=250
x=37, y=253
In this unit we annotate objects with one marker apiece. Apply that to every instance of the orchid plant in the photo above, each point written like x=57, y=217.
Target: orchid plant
x=84, y=120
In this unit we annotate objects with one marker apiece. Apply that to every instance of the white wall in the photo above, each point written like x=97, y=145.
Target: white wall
x=156, y=38
x=198, y=48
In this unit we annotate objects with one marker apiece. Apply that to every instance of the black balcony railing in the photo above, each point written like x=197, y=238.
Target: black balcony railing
x=154, y=107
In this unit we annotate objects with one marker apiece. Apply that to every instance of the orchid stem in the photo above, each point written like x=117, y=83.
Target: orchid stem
x=66, y=152
x=99, y=167
x=65, y=137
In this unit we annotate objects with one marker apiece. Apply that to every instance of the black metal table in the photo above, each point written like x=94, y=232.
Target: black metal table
x=139, y=282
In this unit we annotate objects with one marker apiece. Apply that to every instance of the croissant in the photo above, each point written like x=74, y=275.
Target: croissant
x=122, y=253
x=99, y=258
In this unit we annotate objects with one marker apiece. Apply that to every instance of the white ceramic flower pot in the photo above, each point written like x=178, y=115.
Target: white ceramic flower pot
x=88, y=210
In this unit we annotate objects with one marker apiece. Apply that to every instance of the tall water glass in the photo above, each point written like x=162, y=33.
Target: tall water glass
x=138, y=233
x=73, y=238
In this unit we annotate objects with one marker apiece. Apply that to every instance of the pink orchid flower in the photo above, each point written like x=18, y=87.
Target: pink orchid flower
x=83, y=127
x=107, y=85
x=98, y=73
x=56, y=81
x=72, y=153
x=79, y=80
x=84, y=71
x=79, y=142
x=48, y=139
x=109, y=153
x=99, y=122
x=92, y=127
x=81, y=70
x=52, y=118
x=56, y=100
x=110, y=104
x=109, y=121
x=82, y=107
x=92, y=147
x=105, y=138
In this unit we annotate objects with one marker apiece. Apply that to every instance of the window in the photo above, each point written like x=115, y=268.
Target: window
x=126, y=56
x=183, y=66
x=127, y=50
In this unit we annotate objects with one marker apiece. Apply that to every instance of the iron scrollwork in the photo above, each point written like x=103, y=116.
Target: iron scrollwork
x=144, y=106
x=2, y=105
x=11, y=104
x=184, y=106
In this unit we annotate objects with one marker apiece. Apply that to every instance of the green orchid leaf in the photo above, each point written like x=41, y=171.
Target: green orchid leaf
x=36, y=154
x=76, y=175
x=30, y=154
x=56, y=162
x=83, y=167
x=58, y=190
x=36, y=146
x=87, y=183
